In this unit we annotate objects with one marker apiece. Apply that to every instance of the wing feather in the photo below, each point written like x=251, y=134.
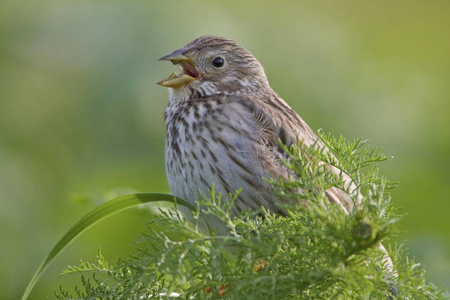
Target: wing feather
x=287, y=126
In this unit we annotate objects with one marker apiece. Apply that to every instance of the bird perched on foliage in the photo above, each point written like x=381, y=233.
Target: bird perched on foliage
x=224, y=125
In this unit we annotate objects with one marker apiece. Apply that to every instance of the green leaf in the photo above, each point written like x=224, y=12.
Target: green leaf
x=105, y=210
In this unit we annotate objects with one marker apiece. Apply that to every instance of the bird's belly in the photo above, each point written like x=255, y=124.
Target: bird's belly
x=193, y=169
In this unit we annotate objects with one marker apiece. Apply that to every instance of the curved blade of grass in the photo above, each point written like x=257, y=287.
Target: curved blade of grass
x=103, y=211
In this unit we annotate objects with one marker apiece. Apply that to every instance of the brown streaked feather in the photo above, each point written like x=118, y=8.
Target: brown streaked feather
x=227, y=124
x=275, y=126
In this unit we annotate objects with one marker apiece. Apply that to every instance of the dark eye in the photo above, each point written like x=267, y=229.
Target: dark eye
x=218, y=62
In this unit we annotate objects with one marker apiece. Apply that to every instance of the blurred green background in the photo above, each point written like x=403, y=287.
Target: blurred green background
x=81, y=115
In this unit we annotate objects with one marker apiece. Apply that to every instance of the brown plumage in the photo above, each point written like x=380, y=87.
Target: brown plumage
x=223, y=126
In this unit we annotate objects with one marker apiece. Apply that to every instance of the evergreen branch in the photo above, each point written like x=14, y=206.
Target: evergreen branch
x=317, y=251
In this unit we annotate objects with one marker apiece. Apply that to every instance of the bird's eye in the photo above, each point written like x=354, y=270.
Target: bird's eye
x=218, y=62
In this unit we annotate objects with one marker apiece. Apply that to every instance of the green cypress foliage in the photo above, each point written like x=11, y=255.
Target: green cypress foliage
x=316, y=252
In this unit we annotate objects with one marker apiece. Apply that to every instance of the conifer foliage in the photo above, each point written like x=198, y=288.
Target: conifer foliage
x=317, y=251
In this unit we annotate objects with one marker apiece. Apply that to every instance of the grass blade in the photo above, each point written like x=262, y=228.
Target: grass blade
x=103, y=211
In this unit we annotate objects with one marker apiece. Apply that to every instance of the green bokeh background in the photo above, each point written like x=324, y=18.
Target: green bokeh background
x=81, y=115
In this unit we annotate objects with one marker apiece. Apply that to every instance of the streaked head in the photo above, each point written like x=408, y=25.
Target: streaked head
x=217, y=64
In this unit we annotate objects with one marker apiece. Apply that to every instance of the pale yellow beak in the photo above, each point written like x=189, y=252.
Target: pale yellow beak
x=189, y=72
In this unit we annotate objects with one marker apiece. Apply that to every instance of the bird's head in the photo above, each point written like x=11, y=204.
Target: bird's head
x=212, y=65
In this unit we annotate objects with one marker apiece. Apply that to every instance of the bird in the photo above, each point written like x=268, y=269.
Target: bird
x=224, y=123
x=224, y=126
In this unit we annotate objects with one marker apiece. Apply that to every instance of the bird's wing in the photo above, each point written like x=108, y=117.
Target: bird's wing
x=277, y=121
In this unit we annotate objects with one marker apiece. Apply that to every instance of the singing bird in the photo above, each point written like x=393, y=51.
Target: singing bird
x=224, y=124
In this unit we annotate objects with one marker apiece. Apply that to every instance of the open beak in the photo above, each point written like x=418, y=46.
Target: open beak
x=189, y=73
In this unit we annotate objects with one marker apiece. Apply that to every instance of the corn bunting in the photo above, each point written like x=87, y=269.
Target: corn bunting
x=223, y=126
